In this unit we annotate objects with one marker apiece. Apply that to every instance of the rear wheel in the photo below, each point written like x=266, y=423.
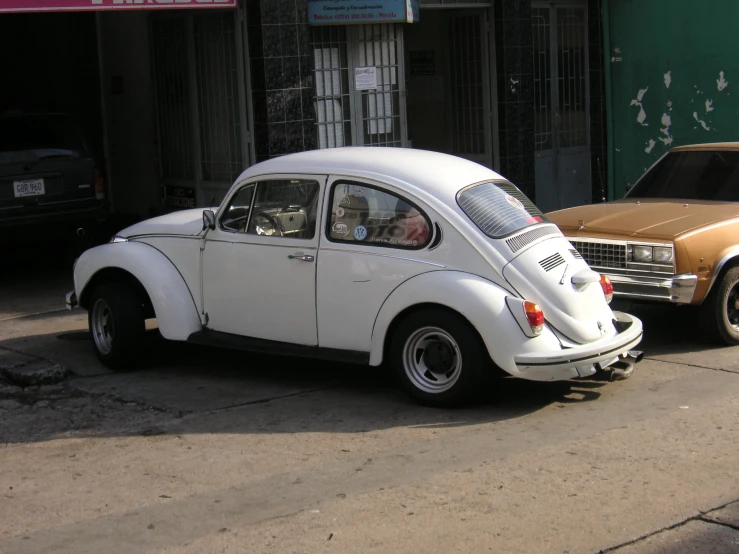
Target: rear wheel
x=116, y=320
x=721, y=308
x=439, y=358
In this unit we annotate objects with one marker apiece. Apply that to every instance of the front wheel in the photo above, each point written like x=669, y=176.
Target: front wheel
x=721, y=308
x=117, y=325
x=439, y=359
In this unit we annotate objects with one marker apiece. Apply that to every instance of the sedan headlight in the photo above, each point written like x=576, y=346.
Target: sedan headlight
x=643, y=253
x=116, y=238
x=662, y=255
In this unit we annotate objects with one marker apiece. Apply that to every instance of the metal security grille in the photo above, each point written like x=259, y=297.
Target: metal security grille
x=200, y=85
x=571, y=78
x=379, y=46
x=174, y=102
x=216, y=69
x=599, y=254
x=332, y=101
x=542, y=79
x=467, y=114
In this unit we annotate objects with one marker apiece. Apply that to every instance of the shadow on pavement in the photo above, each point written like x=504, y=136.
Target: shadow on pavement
x=189, y=386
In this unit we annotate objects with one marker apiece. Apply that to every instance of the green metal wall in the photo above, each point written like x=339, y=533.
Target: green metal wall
x=675, y=79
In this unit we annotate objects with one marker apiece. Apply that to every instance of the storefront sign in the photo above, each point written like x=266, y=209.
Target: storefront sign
x=179, y=197
x=8, y=6
x=345, y=12
x=422, y=62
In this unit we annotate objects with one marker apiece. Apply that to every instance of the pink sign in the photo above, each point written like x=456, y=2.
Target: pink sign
x=8, y=6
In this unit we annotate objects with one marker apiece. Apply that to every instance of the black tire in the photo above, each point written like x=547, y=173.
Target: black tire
x=124, y=337
x=474, y=367
x=720, y=310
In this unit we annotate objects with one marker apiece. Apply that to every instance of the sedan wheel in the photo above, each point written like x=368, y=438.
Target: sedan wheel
x=721, y=308
x=439, y=358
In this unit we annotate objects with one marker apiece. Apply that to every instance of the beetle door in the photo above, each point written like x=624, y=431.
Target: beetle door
x=259, y=263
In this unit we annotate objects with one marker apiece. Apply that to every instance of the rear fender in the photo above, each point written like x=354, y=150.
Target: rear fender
x=481, y=302
x=176, y=312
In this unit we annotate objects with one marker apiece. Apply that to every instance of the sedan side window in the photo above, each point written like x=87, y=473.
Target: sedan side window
x=237, y=212
x=372, y=216
x=285, y=208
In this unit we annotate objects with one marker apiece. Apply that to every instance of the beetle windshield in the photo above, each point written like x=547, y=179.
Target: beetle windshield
x=499, y=208
x=692, y=175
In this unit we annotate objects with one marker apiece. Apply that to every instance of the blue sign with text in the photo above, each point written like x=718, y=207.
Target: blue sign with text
x=346, y=12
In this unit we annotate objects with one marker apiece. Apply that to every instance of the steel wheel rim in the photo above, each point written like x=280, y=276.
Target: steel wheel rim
x=103, y=332
x=432, y=360
x=732, y=307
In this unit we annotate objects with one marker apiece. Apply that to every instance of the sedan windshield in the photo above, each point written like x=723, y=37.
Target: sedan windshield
x=692, y=175
x=499, y=208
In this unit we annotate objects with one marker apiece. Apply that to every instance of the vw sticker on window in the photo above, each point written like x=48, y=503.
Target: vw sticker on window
x=360, y=232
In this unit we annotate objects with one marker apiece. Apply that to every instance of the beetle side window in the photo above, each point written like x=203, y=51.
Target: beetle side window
x=285, y=208
x=363, y=214
x=237, y=213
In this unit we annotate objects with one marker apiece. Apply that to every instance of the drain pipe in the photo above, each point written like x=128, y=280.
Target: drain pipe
x=610, y=151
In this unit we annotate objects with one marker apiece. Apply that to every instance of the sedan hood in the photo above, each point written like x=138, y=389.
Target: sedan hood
x=649, y=218
x=186, y=222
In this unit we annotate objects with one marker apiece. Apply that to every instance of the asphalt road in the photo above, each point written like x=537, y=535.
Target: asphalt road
x=216, y=451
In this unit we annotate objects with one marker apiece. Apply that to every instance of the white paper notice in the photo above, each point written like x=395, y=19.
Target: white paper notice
x=365, y=78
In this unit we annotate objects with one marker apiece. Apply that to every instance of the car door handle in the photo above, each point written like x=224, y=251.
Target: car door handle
x=301, y=257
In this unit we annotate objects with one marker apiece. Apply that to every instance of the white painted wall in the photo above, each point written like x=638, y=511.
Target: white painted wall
x=130, y=114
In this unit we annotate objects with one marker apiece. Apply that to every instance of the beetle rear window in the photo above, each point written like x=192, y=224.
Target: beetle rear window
x=498, y=209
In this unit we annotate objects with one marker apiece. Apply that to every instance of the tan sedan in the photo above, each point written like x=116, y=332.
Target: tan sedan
x=674, y=237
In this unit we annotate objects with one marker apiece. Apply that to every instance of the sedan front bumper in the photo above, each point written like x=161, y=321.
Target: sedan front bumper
x=581, y=360
x=70, y=300
x=678, y=289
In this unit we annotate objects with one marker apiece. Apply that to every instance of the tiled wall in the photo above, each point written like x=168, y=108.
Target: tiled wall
x=282, y=77
x=515, y=75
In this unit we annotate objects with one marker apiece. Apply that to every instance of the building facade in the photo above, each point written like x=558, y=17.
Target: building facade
x=180, y=101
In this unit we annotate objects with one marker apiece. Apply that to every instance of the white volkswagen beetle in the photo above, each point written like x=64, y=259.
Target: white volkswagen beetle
x=433, y=263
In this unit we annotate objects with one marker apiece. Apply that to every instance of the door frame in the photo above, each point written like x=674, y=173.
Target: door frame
x=355, y=96
x=552, y=6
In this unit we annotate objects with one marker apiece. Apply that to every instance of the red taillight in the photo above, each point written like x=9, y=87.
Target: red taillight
x=607, y=286
x=99, y=185
x=535, y=316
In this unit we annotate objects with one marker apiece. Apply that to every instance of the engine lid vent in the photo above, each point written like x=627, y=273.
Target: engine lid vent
x=519, y=241
x=552, y=261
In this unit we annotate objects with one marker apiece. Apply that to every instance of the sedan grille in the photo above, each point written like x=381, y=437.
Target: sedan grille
x=601, y=254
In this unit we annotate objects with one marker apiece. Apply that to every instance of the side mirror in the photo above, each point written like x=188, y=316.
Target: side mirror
x=209, y=220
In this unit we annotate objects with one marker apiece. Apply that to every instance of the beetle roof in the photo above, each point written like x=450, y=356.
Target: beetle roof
x=435, y=173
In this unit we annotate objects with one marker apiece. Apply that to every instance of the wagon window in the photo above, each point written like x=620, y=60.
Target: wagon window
x=367, y=215
x=498, y=209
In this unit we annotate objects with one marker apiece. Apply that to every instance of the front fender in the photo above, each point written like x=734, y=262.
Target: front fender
x=175, y=309
x=481, y=301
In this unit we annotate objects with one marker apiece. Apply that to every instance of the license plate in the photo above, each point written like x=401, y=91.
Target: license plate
x=29, y=187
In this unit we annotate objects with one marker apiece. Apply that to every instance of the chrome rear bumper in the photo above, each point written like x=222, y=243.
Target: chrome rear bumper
x=678, y=289
x=583, y=358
